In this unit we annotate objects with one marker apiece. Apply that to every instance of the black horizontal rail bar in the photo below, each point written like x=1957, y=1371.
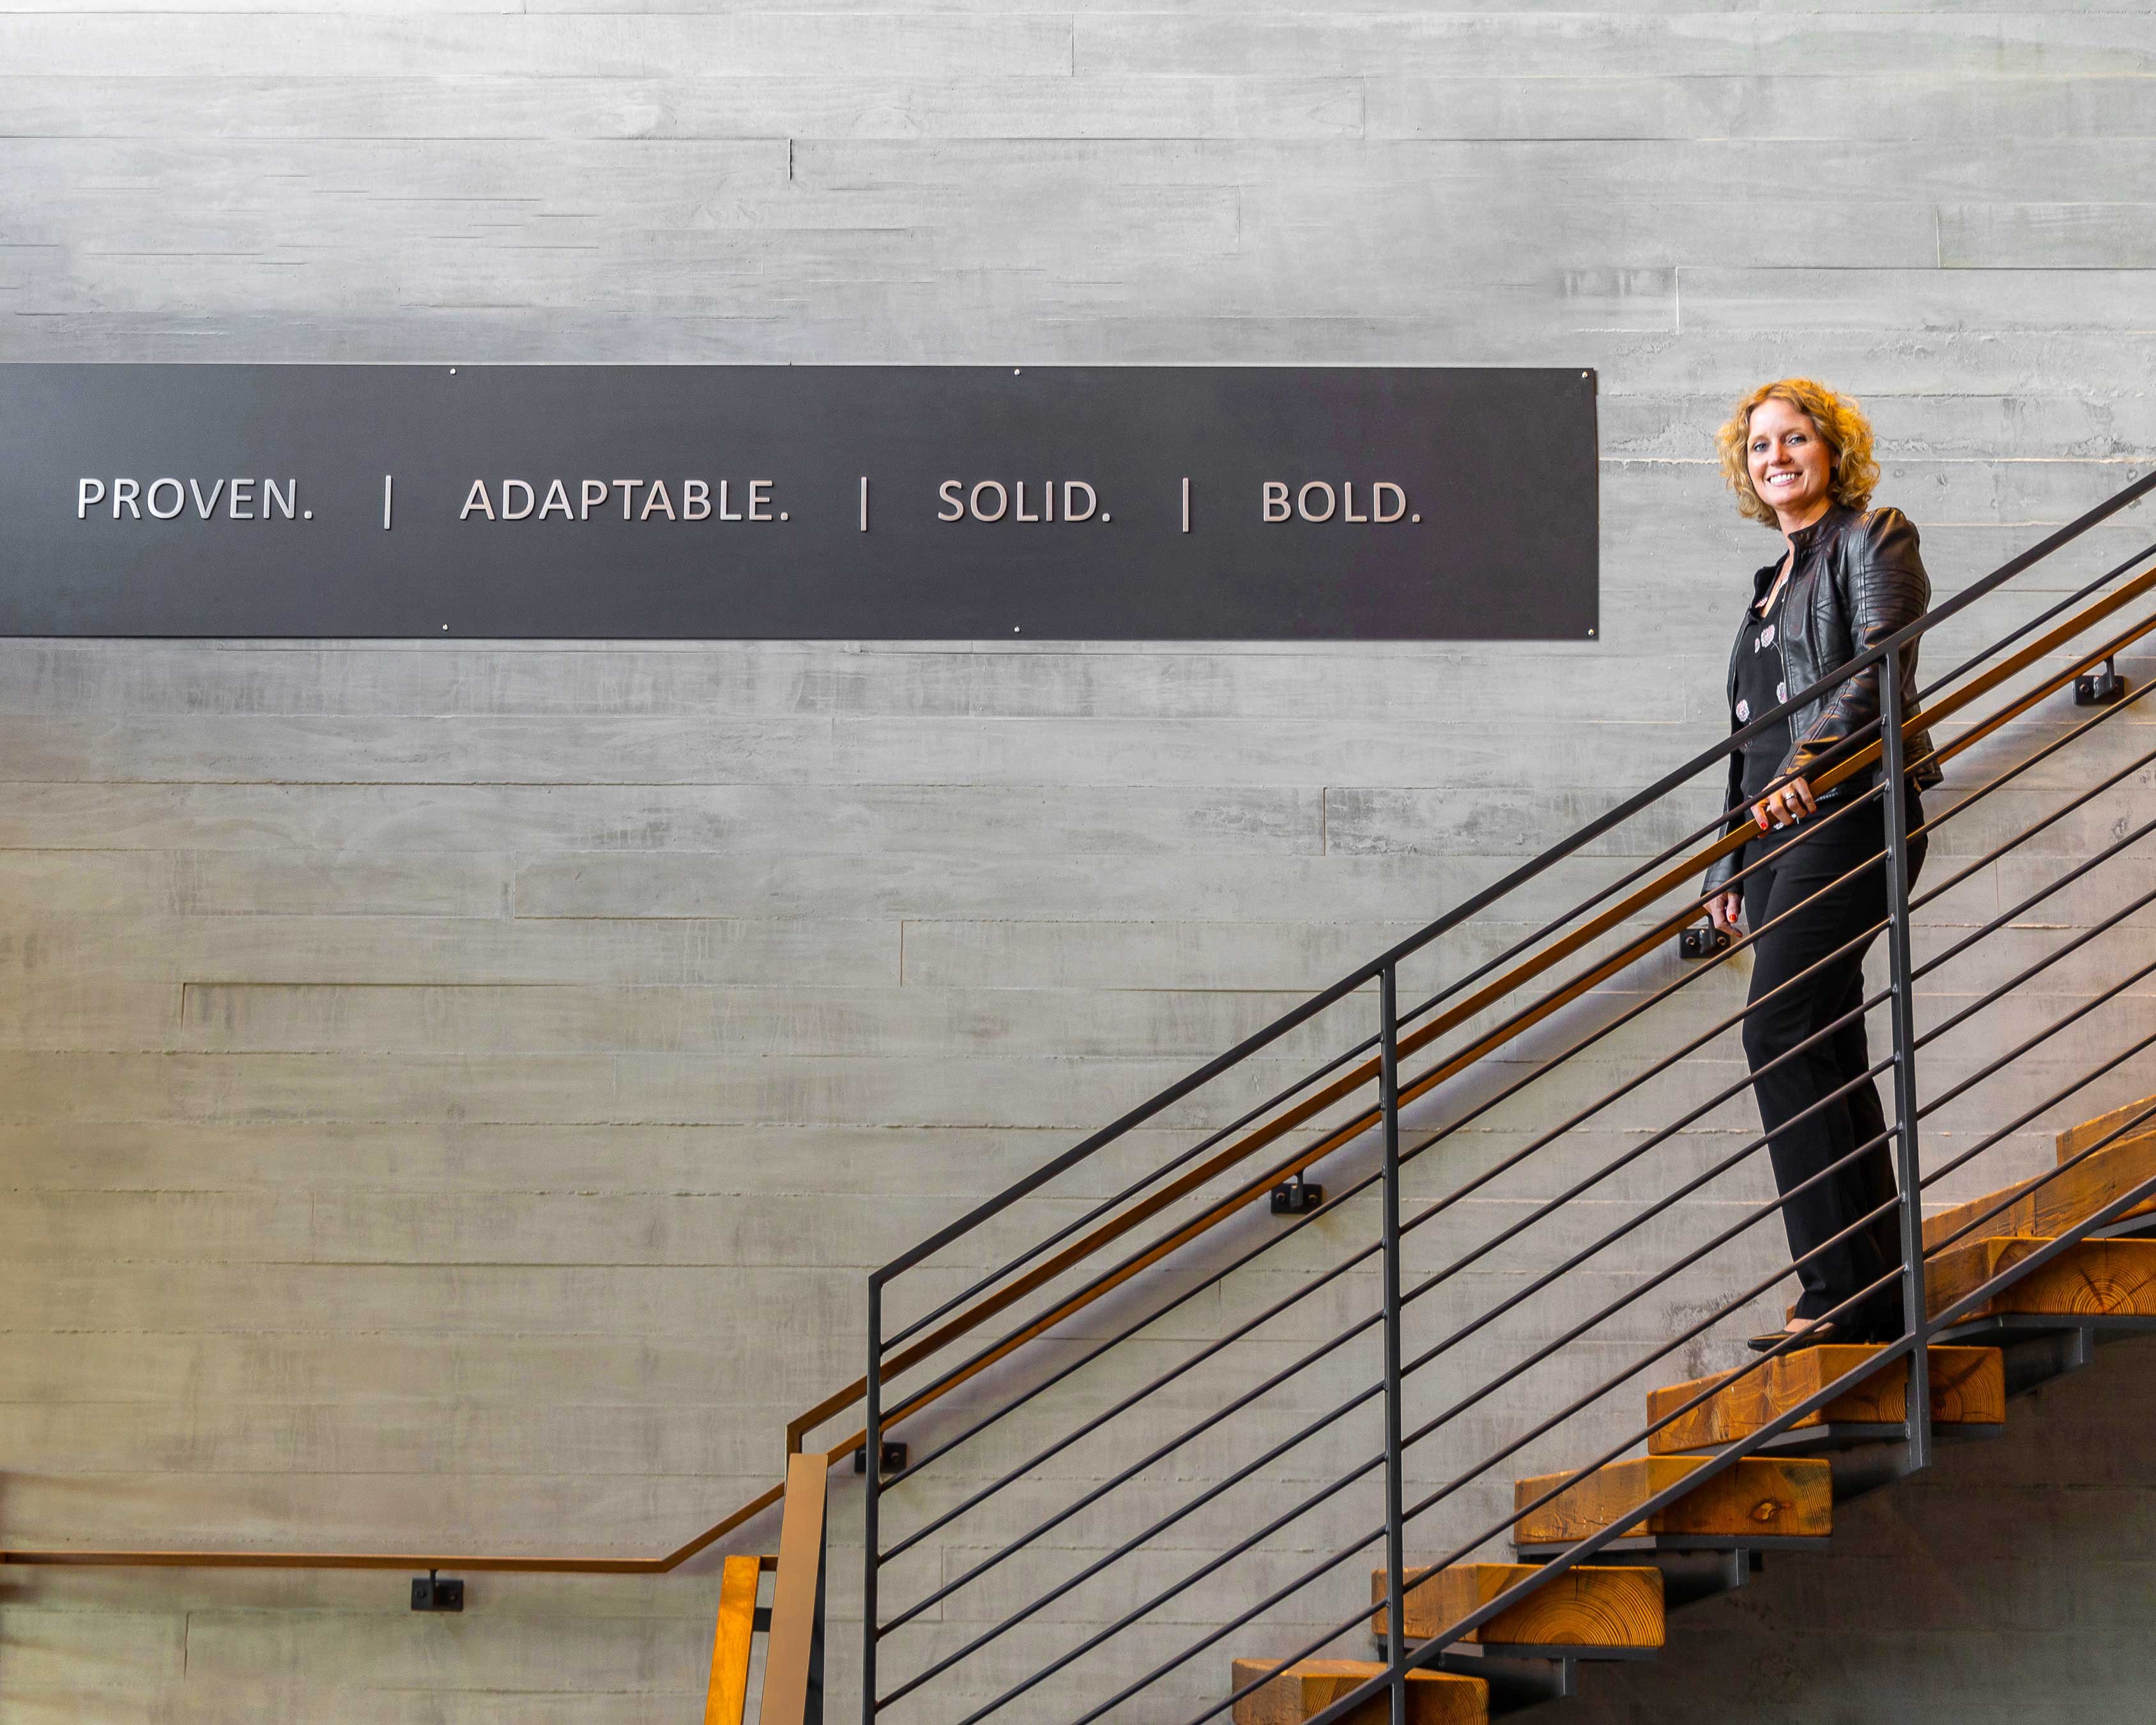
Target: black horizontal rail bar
x=1729, y=1454
x=1040, y=1458
x=1718, y=1170
x=1720, y=823
x=1145, y=1111
x=1857, y=665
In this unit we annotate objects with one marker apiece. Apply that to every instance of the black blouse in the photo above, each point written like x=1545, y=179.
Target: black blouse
x=1760, y=688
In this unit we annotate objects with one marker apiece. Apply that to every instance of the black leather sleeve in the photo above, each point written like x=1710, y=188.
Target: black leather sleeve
x=1723, y=867
x=1884, y=588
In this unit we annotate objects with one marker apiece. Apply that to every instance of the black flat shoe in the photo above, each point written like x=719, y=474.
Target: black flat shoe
x=1816, y=1334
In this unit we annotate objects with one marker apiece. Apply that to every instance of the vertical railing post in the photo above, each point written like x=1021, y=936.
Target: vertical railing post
x=1388, y=1102
x=871, y=1540
x=1915, y=1307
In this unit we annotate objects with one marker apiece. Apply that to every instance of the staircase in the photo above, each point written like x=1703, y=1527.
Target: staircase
x=1149, y=1418
x=1713, y=1529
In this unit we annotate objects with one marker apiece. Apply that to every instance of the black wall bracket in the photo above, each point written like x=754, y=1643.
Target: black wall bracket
x=1702, y=942
x=893, y=1457
x=2100, y=687
x=436, y=1595
x=1298, y=1198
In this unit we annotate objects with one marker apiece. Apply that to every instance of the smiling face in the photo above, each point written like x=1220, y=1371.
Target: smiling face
x=1790, y=464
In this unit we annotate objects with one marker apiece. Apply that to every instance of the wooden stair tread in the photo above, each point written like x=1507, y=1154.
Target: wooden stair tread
x=2059, y=1201
x=1775, y=1496
x=2097, y=1278
x=1968, y=1387
x=1311, y=1686
x=1592, y=1605
x=2075, y=1139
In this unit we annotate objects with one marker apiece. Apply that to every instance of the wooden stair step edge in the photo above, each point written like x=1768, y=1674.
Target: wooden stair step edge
x=1969, y=1388
x=2055, y=1205
x=2096, y=1278
x=1772, y=1496
x=2075, y=1139
x=1590, y=1606
x=1308, y=1688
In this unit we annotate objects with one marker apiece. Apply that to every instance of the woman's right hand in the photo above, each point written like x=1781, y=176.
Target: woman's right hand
x=1723, y=909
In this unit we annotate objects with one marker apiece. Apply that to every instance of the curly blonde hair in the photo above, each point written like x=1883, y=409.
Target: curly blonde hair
x=1841, y=424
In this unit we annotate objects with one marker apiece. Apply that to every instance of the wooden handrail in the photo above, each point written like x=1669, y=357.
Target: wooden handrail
x=64, y=1557
x=1356, y=1078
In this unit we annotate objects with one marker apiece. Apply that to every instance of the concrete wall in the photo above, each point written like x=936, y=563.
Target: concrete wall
x=449, y=1094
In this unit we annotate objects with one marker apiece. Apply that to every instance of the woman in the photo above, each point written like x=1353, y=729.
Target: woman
x=1798, y=457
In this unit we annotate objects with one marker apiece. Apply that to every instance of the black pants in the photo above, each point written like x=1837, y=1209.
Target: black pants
x=1801, y=860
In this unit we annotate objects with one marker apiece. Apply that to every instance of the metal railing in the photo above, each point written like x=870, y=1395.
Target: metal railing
x=980, y=1635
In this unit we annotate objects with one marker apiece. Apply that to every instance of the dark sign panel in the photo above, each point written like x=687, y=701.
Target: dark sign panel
x=819, y=502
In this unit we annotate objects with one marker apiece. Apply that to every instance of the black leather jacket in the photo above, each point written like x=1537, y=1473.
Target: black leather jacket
x=1858, y=578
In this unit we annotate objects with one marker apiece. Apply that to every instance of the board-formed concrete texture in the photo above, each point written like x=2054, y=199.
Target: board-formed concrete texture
x=450, y=1093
